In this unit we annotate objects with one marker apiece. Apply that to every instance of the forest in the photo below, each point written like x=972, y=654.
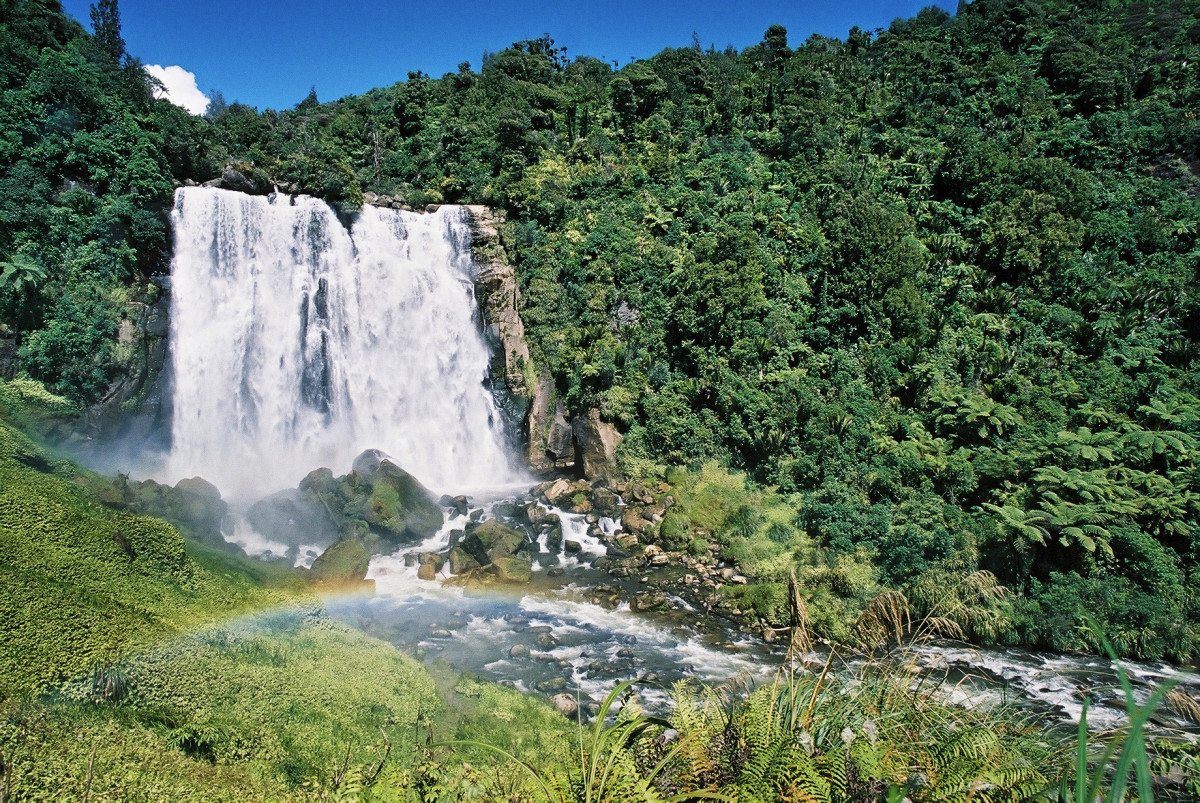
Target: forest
x=928, y=293
x=934, y=285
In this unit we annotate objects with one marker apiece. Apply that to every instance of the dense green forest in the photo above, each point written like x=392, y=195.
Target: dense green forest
x=935, y=285
x=914, y=311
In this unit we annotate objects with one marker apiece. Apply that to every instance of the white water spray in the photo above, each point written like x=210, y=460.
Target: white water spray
x=298, y=344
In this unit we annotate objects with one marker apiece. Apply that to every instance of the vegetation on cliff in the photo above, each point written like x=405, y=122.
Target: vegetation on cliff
x=934, y=284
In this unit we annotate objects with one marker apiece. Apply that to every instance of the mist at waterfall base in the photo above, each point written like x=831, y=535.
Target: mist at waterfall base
x=299, y=342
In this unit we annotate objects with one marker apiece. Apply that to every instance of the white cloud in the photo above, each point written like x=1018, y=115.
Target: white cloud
x=179, y=87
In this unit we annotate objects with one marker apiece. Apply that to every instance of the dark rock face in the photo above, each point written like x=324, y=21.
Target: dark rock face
x=499, y=297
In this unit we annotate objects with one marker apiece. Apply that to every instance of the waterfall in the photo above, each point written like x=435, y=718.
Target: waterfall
x=297, y=343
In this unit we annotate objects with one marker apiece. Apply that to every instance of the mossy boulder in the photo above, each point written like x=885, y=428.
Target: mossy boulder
x=343, y=565
x=514, y=569
x=461, y=561
x=491, y=540
x=194, y=505
x=392, y=502
x=295, y=518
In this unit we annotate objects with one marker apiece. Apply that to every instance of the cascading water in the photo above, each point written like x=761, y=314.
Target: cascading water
x=297, y=343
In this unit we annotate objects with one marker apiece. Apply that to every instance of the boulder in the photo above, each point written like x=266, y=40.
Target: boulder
x=572, y=547
x=461, y=561
x=427, y=571
x=596, y=446
x=342, y=565
x=555, y=492
x=491, y=540
x=194, y=505
x=433, y=559
x=518, y=651
x=551, y=684
x=399, y=507
x=565, y=703
x=244, y=177
x=604, y=500
x=554, y=535
x=296, y=518
x=459, y=505
x=513, y=570
x=633, y=521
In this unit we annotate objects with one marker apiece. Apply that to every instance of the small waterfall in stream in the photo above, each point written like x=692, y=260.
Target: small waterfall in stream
x=297, y=343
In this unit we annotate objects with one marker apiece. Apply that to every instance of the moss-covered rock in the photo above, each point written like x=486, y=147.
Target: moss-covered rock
x=514, y=569
x=461, y=561
x=343, y=565
x=491, y=540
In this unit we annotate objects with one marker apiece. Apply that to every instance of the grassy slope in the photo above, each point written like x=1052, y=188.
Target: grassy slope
x=119, y=636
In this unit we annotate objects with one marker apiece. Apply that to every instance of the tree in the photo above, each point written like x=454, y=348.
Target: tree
x=106, y=25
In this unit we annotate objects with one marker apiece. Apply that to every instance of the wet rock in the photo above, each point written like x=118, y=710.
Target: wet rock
x=440, y=633
x=343, y=565
x=535, y=514
x=602, y=562
x=460, y=561
x=457, y=504
x=625, y=652
x=551, y=684
x=604, y=500
x=426, y=571
x=555, y=492
x=565, y=703
x=431, y=558
x=454, y=537
x=572, y=547
x=476, y=514
x=513, y=570
x=518, y=651
x=546, y=641
x=555, y=572
x=554, y=535
x=648, y=601
x=491, y=540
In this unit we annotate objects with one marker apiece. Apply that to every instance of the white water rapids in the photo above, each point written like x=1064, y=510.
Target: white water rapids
x=297, y=343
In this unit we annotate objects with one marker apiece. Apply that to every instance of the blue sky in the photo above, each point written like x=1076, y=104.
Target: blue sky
x=269, y=53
